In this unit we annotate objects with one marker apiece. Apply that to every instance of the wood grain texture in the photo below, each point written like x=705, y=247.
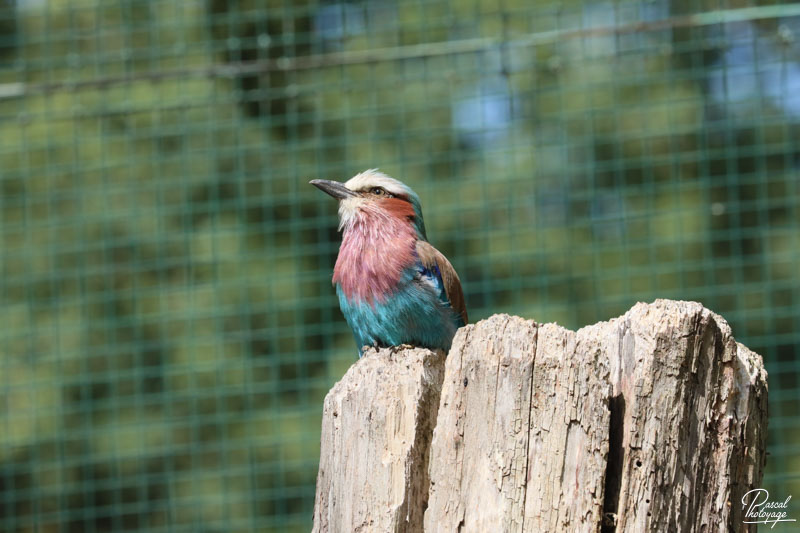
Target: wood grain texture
x=694, y=420
x=652, y=421
x=521, y=439
x=377, y=423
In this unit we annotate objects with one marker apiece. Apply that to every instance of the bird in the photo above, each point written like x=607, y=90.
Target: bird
x=394, y=287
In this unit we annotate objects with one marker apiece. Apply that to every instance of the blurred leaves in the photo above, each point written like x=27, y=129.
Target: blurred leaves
x=170, y=328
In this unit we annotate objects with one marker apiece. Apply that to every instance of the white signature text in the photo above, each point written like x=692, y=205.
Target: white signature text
x=760, y=510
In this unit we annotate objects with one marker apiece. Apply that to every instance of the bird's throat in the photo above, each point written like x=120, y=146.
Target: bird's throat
x=376, y=252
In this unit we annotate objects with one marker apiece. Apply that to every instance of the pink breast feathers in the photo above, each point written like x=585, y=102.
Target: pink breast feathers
x=376, y=247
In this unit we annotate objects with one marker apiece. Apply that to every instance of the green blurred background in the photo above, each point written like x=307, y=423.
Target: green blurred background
x=169, y=330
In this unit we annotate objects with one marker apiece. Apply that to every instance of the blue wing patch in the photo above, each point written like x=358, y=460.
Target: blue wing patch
x=433, y=277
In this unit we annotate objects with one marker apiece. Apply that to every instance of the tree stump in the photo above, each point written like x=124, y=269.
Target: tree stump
x=653, y=421
x=377, y=424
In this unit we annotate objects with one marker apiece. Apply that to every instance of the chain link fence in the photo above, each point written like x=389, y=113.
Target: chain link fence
x=169, y=330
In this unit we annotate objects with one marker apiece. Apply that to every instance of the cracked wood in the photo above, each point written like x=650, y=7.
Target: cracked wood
x=652, y=421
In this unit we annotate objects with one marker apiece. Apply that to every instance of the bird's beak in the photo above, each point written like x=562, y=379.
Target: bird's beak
x=334, y=188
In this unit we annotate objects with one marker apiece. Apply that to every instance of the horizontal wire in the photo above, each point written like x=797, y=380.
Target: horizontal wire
x=415, y=51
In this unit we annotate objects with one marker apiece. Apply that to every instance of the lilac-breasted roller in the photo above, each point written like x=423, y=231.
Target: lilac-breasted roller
x=394, y=287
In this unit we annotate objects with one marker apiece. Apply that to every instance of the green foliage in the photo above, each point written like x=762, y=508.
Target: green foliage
x=169, y=326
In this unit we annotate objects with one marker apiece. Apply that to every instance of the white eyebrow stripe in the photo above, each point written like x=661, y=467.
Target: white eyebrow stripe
x=374, y=178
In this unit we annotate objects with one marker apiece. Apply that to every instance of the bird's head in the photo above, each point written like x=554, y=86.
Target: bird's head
x=374, y=193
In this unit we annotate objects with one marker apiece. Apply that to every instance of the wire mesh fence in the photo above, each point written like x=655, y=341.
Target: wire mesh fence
x=168, y=325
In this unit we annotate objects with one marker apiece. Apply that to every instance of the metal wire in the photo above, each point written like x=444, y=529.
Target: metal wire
x=170, y=330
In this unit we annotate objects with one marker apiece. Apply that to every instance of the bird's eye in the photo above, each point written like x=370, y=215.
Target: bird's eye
x=377, y=191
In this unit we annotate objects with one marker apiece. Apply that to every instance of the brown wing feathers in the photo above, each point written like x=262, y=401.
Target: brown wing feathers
x=431, y=257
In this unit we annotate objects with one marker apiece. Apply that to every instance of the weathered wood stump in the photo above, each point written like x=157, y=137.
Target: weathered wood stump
x=653, y=421
x=377, y=425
